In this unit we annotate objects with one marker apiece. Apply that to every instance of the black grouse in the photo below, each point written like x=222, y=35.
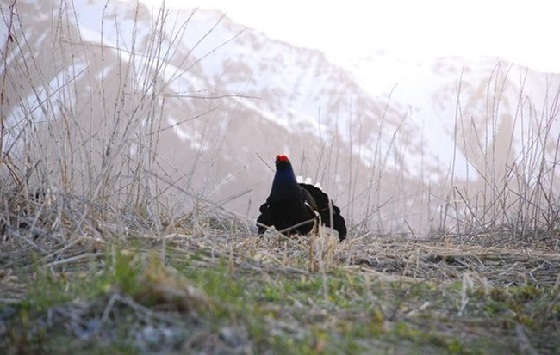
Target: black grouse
x=292, y=207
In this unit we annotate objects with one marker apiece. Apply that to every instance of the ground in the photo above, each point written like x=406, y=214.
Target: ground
x=217, y=292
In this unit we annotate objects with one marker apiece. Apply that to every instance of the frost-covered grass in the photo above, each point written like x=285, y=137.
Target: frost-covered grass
x=248, y=295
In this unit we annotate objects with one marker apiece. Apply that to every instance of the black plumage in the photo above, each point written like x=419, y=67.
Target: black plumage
x=293, y=207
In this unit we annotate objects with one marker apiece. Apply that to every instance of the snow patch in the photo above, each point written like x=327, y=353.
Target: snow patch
x=195, y=140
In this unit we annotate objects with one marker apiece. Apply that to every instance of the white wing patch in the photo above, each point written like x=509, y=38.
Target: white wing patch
x=307, y=180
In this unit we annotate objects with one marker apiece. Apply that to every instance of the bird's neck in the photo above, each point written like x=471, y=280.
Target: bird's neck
x=284, y=184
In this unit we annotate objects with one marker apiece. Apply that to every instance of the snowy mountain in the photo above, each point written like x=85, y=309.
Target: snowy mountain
x=222, y=96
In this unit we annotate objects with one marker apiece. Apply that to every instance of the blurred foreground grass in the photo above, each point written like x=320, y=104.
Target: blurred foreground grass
x=248, y=295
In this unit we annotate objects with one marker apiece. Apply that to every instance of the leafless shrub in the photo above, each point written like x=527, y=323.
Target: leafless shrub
x=89, y=161
x=514, y=158
x=80, y=153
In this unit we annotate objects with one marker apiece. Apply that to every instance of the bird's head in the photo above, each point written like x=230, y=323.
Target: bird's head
x=282, y=161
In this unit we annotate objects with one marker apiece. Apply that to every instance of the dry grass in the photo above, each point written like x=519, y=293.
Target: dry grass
x=251, y=293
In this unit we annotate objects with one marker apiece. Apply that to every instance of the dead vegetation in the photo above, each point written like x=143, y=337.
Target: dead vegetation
x=224, y=291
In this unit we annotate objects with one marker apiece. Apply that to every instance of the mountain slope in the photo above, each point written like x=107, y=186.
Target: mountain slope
x=215, y=97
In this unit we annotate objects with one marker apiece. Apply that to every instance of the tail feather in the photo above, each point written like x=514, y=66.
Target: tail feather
x=322, y=202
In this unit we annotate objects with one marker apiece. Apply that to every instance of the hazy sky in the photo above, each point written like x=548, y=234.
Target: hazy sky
x=523, y=31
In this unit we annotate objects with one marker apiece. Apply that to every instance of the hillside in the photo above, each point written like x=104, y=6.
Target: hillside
x=219, y=97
